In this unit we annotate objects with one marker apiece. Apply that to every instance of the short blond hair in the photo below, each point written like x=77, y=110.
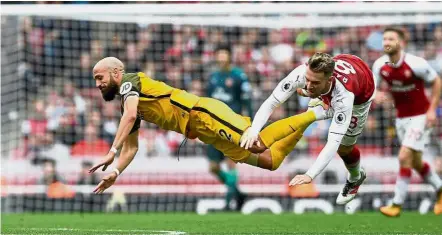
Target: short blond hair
x=322, y=62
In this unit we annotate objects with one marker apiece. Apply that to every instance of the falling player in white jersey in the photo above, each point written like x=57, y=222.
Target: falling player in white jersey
x=346, y=84
x=405, y=75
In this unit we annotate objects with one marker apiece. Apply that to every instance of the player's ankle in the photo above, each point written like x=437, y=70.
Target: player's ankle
x=354, y=178
x=439, y=194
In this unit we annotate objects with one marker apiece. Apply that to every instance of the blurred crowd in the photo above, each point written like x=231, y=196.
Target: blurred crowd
x=67, y=118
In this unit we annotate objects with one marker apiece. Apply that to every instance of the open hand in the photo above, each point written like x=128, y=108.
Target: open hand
x=249, y=138
x=431, y=118
x=106, y=182
x=300, y=179
x=107, y=160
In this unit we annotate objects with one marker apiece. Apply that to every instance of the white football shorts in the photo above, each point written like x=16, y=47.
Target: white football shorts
x=358, y=119
x=412, y=132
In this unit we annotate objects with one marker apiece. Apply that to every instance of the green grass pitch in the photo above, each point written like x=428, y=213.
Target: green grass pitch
x=219, y=223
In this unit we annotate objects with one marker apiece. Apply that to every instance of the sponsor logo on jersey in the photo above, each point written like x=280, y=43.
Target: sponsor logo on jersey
x=400, y=88
x=125, y=88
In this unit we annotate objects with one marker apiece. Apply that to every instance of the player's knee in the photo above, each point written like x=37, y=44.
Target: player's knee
x=418, y=165
x=405, y=157
x=344, y=151
x=275, y=165
x=265, y=161
x=405, y=161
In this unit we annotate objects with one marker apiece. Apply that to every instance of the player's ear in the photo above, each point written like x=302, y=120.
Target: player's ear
x=328, y=77
x=402, y=43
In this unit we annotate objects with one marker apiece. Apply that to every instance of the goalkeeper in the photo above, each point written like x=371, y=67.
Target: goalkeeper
x=208, y=119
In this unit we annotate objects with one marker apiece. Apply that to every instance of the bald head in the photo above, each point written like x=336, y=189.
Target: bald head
x=108, y=73
x=110, y=63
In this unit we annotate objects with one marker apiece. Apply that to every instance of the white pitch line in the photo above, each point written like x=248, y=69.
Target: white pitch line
x=111, y=231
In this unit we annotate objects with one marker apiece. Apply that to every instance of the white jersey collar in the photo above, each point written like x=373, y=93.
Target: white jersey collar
x=331, y=86
x=400, y=62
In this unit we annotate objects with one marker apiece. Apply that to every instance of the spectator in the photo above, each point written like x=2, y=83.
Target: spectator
x=53, y=149
x=435, y=60
x=116, y=47
x=65, y=128
x=70, y=92
x=188, y=73
x=37, y=121
x=438, y=39
x=97, y=51
x=265, y=67
x=91, y=145
x=279, y=50
x=109, y=121
x=133, y=59
x=176, y=50
x=50, y=174
x=196, y=88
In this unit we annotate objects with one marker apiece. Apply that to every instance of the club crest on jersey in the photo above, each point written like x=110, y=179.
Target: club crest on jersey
x=125, y=88
x=407, y=73
x=385, y=73
x=287, y=86
x=340, y=118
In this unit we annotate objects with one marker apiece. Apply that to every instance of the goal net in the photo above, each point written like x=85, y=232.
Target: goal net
x=55, y=123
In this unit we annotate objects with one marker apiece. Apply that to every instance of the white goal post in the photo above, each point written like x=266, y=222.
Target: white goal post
x=265, y=15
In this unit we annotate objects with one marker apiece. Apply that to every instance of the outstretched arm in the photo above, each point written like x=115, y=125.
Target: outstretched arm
x=126, y=124
x=341, y=122
x=127, y=121
x=280, y=94
x=127, y=154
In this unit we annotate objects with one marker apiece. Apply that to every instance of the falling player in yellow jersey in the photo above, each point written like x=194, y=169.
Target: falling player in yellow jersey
x=207, y=119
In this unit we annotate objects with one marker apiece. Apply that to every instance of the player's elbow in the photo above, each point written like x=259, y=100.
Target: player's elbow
x=134, y=150
x=131, y=117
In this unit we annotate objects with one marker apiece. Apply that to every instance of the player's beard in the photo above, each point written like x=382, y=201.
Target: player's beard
x=110, y=91
x=393, y=50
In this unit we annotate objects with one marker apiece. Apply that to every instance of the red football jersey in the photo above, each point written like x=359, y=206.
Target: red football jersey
x=355, y=76
x=406, y=82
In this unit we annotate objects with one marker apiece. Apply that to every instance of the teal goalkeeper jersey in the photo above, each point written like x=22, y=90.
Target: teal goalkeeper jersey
x=233, y=88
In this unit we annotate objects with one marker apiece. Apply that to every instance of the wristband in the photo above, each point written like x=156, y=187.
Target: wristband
x=113, y=149
x=117, y=171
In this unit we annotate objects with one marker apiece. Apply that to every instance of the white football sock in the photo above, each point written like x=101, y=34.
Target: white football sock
x=433, y=179
x=401, y=187
x=354, y=172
